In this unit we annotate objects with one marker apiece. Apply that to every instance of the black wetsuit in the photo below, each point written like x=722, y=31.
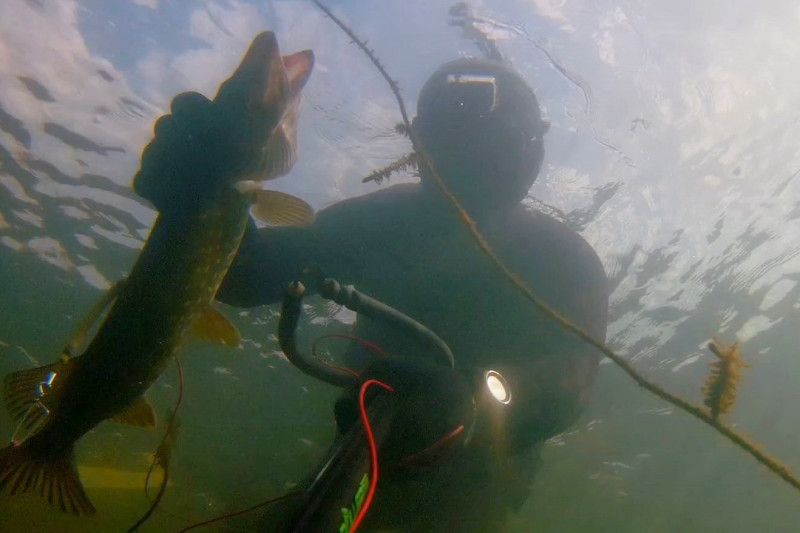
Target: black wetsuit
x=410, y=251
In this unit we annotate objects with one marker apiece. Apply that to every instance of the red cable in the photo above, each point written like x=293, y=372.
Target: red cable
x=372, y=451
x=371, y=345
x=433, y=448
x=237, y=513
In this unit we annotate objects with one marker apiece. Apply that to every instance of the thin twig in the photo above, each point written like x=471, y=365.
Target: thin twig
x=383, y=173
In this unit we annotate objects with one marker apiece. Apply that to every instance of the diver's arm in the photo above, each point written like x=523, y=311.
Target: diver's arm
x=556, y=384
x=589, y=297
x=338, y=242
x=267, y=260
x=582, y=285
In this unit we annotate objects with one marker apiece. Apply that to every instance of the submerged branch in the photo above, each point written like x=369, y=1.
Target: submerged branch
x=404, y=163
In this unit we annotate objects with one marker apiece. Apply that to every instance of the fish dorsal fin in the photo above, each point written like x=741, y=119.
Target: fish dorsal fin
x=140, y=413
x=79, y=337
x=31, y=394
x=214, y=327
x=281, y=209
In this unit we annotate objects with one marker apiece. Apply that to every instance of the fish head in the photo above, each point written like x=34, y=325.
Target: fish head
x=247, y=134
x=262, y=98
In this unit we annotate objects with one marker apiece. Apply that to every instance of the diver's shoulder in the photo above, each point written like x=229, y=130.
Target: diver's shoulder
x=537, y=221
x=394, y=193
x=387, y=199
x=544, y=233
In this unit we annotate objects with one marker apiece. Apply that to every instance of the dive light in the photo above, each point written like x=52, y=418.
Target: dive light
x=498, y=386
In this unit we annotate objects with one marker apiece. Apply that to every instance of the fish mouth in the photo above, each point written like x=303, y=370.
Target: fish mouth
x=265, y=92
x=267, y=82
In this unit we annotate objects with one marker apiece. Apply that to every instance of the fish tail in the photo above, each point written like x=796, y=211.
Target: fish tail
x=54, y=477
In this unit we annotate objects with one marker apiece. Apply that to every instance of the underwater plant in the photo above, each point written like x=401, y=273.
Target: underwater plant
x=720, y=387
x=406, y=162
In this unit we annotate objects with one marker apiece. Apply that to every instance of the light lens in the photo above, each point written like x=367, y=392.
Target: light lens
x=498, y=386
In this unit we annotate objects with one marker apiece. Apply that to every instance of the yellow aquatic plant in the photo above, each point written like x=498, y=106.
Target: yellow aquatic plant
x=720, y=387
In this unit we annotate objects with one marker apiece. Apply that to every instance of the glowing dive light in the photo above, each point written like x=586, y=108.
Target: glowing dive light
x=498, y=386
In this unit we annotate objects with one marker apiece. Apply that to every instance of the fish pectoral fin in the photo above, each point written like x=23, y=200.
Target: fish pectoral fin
x=30, y=394
x=281, y=209
x=214, y=327
x=54, y=477
x=139, y=413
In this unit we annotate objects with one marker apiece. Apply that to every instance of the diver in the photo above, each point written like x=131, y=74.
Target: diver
x=481, y=125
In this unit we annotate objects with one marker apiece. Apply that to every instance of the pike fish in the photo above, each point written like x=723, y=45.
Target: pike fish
x=202, y=172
